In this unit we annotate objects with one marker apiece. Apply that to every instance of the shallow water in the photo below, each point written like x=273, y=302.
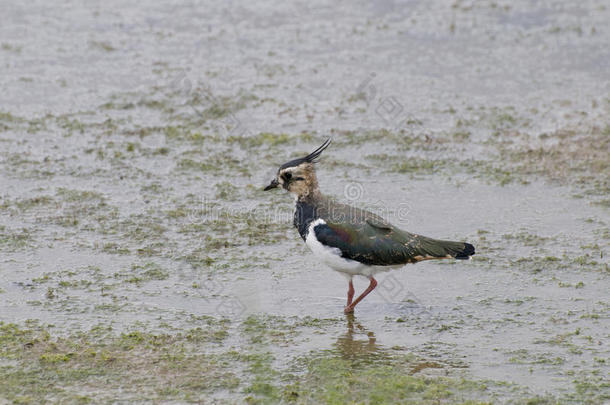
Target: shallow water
x=134, y=143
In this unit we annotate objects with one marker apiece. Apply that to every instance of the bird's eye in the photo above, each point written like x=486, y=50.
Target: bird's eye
x=287, y=175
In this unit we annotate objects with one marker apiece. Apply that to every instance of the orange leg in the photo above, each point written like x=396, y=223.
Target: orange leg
x=350, y=307
x=350, y=293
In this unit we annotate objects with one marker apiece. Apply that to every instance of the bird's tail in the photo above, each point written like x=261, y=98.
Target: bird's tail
x=442, y=249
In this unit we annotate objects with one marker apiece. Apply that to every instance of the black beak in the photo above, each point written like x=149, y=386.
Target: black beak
x=272, y=185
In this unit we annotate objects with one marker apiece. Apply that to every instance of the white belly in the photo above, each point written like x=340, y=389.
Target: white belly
x=331, y=256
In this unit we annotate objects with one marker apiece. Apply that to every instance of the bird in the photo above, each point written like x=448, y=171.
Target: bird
x=350, y=240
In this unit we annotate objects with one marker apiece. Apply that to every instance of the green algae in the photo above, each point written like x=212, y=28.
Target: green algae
x=15, y=239
x=172, y=365
x=139, y=365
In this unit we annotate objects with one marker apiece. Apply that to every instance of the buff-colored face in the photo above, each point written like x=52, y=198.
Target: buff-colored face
x=299, y=180
x=298, y=176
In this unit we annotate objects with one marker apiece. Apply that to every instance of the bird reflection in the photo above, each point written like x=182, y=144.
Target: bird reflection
x=358, y=343
x=358, y=346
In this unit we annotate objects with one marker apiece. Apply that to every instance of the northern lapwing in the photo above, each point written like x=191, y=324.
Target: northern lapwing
x=351, y=240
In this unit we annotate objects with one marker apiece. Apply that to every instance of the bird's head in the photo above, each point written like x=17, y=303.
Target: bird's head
x=298, y=176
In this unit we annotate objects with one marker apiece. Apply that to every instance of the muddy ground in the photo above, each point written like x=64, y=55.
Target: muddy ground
x=140, y=260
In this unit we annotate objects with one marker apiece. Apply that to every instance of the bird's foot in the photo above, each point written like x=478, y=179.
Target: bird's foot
x=348, y=309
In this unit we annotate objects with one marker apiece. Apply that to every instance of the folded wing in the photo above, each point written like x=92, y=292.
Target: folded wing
x=376, y=242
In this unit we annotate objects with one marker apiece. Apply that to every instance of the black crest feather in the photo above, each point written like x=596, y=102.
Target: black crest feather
x=311, y=158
